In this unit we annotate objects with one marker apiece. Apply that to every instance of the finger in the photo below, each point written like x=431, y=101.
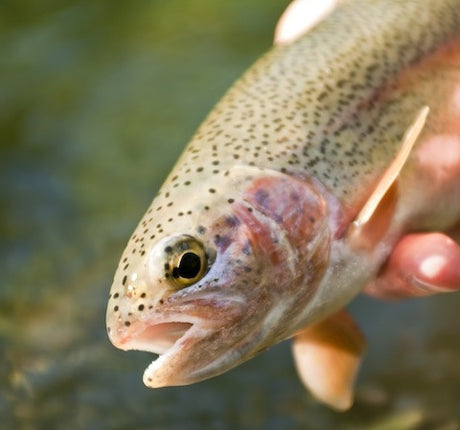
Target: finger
x=421, y=265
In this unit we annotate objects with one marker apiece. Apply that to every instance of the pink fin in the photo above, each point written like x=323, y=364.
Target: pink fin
x=373, y=219
x=327, y=356
x=299, y=17
x=420, y=265
x=393, y=170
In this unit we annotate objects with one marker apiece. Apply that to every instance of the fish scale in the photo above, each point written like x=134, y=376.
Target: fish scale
x=328, y=110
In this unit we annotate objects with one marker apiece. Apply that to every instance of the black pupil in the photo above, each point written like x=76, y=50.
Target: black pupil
x=189, y=266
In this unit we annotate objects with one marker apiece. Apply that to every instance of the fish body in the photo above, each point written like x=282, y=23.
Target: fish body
x=254, y=234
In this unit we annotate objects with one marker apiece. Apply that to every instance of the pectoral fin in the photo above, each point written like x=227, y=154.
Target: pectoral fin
x=327, y=357
x=374, y=216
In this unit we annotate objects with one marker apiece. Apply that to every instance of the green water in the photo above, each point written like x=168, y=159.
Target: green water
x=97, y=99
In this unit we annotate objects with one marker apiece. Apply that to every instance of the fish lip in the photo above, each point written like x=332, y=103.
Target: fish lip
x=154, y=334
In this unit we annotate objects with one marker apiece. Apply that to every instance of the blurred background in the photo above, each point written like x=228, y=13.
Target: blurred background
x=97, y=100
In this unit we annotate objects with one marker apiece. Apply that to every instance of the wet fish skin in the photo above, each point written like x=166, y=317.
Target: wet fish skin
x=273, y=178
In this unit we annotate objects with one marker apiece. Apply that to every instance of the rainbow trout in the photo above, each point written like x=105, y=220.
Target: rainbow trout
x=331, y=166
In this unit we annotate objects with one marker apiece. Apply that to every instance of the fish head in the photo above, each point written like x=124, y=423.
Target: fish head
x=223, y=281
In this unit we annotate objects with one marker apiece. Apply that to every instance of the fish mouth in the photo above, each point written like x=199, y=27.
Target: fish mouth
x=169, y=340
x=191, y=345
x=158, y=338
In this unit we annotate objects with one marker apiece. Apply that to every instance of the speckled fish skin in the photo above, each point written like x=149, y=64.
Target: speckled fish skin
x=273, y=178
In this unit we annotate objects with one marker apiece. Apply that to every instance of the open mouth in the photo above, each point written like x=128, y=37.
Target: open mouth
x=167, y=339
x=159, y=338
x=179, y=339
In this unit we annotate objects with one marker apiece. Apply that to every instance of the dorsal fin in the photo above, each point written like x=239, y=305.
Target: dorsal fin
x=393, y=170
x=299, y=17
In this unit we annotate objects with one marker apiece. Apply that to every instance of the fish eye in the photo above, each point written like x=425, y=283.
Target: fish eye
x=188, y=261
x=189, y=266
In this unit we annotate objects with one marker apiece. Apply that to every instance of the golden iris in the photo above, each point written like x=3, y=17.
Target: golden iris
x=188, y=262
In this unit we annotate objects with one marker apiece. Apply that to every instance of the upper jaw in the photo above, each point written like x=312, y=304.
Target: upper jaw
x=157, y=334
